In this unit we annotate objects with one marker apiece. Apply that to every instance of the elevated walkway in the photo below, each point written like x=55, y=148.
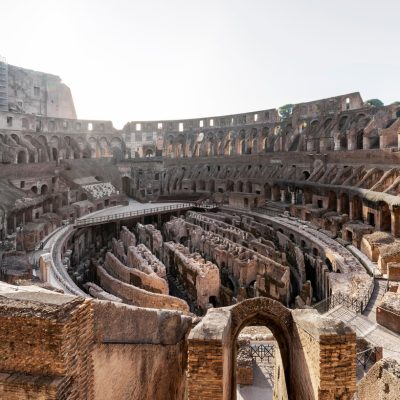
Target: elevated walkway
x=369, y=330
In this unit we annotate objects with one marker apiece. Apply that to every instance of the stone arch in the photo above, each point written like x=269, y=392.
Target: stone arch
x=359, y=139
x=44, y=189
x=54, y=153
x=267, y=191
x=22, y=157
x=385, y=217
x=342, y=123
x=356, y=205
x=344, y=203
x=332, y=201
x=276, y=317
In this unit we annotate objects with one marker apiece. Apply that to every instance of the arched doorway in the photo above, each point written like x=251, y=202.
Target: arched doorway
x=126, y=185
x=54, y=153
x=44, y=189
x=344, y=203
x=21, y=157
x=360, y=140
x=267, y=191
x=332, y=201
x=356, y=208
x=385, y=224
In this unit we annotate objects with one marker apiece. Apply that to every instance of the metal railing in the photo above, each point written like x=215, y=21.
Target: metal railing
x=130, y=214
x=366, y=358
x=142, y=212
x=356, y=304
x=260, y=351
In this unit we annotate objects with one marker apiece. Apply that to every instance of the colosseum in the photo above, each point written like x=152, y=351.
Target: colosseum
x=246, y=256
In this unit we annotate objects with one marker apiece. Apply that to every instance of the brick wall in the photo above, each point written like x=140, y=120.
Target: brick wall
x=51, y=342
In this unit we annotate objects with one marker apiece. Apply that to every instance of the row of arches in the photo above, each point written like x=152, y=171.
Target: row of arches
x=31, y=149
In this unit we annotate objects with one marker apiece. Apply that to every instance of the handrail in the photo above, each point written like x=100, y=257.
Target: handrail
x=132, y=213
x=135, y=213
x=356, y=304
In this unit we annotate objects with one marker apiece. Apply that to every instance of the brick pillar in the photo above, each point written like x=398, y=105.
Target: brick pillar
x=205, y=370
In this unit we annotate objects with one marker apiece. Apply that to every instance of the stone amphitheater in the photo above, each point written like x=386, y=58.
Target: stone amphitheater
x=246, y=256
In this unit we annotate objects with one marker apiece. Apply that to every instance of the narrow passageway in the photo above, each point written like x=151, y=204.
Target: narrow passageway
x=262, y=387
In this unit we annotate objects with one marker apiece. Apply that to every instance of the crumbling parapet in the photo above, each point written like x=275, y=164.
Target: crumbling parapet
x=382, y=381
x=200, y=277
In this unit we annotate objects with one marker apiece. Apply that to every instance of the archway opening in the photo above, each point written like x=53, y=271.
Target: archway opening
x=44, y=189
x=332, y=201
x=21, y=157
x=386, y=224
x=344, y=203
x=360, y=140
x=54, y=153
x=126, y=185
x=260, y=338
x=357, y=208
x=257, y=353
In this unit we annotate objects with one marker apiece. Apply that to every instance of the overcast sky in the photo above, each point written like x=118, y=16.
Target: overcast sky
x=169, y=59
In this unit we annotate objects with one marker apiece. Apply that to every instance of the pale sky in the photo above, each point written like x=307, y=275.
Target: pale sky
x=169, y=59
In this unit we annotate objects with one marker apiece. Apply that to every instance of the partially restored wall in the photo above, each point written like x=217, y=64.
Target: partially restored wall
x=139, y=353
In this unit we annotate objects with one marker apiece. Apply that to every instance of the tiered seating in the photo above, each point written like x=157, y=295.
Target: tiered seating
x=100, y=190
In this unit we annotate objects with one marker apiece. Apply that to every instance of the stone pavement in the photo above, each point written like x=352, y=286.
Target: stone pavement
x=370, y=330
x=262, y=388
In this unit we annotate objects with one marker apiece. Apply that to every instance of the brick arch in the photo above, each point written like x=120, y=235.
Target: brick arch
x=276, y=317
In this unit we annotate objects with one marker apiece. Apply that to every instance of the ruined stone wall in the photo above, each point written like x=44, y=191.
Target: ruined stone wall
x=151, y=238
x=133, y=295
x=200, y=277
x=382, y=381
x=243, y=264
x=141, y=258
x=133, y=276
x=34, y=92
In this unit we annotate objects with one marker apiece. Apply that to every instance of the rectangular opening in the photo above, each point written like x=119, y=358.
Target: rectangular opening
x=22, y=184
x=201, y=123
x=36, y=91
x=90, y=126
x=138, y=126
x=371, y=218
x=180, y=126
x=255, y=117
x=320, y=203
x=159, y=125
x=9, y=121
x=211, y=122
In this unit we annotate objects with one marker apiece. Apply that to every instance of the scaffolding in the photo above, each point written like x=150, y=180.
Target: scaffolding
x=3, y=84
